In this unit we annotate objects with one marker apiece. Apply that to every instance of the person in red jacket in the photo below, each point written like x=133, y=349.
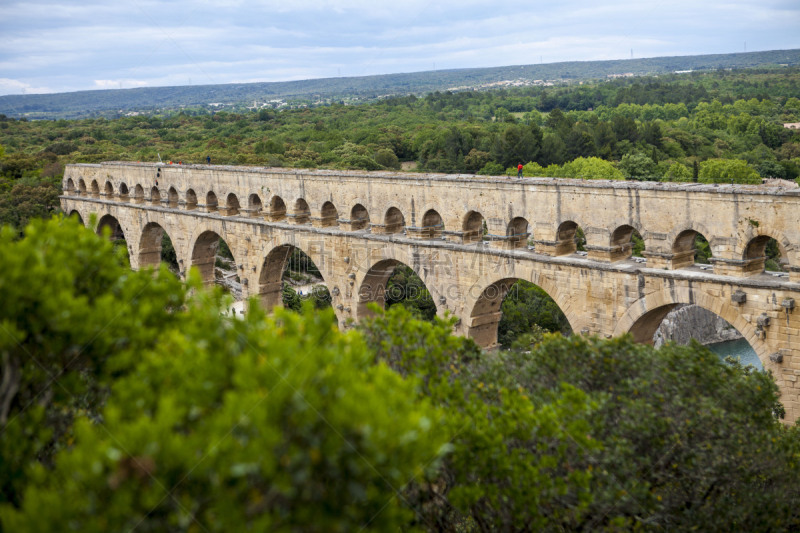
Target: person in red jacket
x=519, y=170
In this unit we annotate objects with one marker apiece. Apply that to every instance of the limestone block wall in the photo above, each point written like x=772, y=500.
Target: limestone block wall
x=602, y=293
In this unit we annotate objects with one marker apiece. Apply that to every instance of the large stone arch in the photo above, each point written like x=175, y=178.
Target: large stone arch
x=270, y=277
x=203, y=250
x=77, y=214
x=372, y=284
x=645, y=315
x=486, y=296
x=149, y=254
x=112, y=222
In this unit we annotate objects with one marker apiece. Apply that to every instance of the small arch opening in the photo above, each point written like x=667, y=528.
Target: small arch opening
x=472, y=227
x=172, y=197
x=123, y=190
x=232, y=205
x=625, y=242
x=191, y=200
x=138, y=193
x=432, y=225
x=329, y=215
x=301, y=212
x=70, y=187
x=254, y=204
x=82, y=187
x=518, y=232
x=95, y=188
x=277, y=209
x=359, y=217
x=765, y=254
x=211, y=202
x=108, y=190
x=155, y=196
x=570, y=238
x=394, y=221
x=690, y=248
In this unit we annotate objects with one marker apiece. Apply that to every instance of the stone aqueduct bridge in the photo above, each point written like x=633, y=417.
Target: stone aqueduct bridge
x=358, y=226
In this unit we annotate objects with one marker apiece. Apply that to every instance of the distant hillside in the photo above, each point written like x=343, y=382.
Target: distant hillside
x=116, y=102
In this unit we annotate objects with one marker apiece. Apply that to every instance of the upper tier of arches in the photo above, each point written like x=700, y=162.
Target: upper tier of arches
x=665, y=243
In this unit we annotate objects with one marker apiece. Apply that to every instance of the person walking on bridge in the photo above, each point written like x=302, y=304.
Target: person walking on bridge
x=519, y=170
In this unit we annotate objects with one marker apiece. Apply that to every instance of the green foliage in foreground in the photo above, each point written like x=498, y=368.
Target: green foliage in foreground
x=138, y=407
x=588, y=434
x=212, y=423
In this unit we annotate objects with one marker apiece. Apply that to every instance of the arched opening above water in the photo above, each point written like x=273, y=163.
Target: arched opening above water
x=682, y=323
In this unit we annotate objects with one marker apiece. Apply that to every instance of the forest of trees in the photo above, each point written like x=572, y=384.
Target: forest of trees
x=134, y=401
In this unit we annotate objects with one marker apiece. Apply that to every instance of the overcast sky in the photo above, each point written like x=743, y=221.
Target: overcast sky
x=59, y=46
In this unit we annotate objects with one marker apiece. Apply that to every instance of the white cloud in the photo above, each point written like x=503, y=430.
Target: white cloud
x=9, y=86
x=70, y=45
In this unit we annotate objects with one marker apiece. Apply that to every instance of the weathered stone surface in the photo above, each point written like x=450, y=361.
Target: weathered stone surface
x=358, y=226
x=693, y=322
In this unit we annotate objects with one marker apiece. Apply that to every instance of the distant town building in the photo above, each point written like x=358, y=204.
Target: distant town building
x=792, y=125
